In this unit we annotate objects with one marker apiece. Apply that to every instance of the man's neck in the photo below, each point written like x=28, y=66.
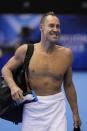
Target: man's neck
x=47, y=47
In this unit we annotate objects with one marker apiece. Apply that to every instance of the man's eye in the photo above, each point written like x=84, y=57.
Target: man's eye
x=51, y=25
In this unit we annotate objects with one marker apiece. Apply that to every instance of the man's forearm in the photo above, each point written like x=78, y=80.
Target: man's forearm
x=72, y=98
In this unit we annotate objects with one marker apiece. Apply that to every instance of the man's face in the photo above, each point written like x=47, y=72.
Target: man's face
x=51, y=29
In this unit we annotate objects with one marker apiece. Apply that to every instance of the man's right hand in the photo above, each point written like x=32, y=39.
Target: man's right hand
x=17, y=94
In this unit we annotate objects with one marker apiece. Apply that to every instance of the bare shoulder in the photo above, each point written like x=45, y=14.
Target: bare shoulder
x=20, y=52
x=68, y=51
x=17, y=59
x=65, y=50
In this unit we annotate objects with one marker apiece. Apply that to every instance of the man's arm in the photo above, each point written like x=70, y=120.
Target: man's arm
x=71, y=94
x=12, y=64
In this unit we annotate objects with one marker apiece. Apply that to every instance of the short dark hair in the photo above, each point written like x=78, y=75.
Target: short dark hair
x=45, y=15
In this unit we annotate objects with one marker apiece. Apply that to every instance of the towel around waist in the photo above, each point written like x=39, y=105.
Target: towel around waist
x=58, y=96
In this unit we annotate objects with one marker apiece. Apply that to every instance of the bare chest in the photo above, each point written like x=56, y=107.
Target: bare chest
x=48, y=65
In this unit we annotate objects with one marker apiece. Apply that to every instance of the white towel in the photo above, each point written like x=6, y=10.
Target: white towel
x=47, y=114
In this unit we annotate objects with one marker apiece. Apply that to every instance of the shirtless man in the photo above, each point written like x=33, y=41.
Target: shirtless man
x=50, y=66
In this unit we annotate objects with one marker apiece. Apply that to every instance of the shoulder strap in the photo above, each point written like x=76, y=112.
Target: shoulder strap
x=28, y=56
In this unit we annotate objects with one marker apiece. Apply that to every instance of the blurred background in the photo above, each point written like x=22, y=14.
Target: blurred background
x=19, y=23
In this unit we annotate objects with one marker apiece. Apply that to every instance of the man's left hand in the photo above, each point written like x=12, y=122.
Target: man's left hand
x=77, y=121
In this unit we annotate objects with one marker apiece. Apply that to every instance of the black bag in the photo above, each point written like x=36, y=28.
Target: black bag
x=8, y=109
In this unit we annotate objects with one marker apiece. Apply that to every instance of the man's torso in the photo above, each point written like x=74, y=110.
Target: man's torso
x=46, y=70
